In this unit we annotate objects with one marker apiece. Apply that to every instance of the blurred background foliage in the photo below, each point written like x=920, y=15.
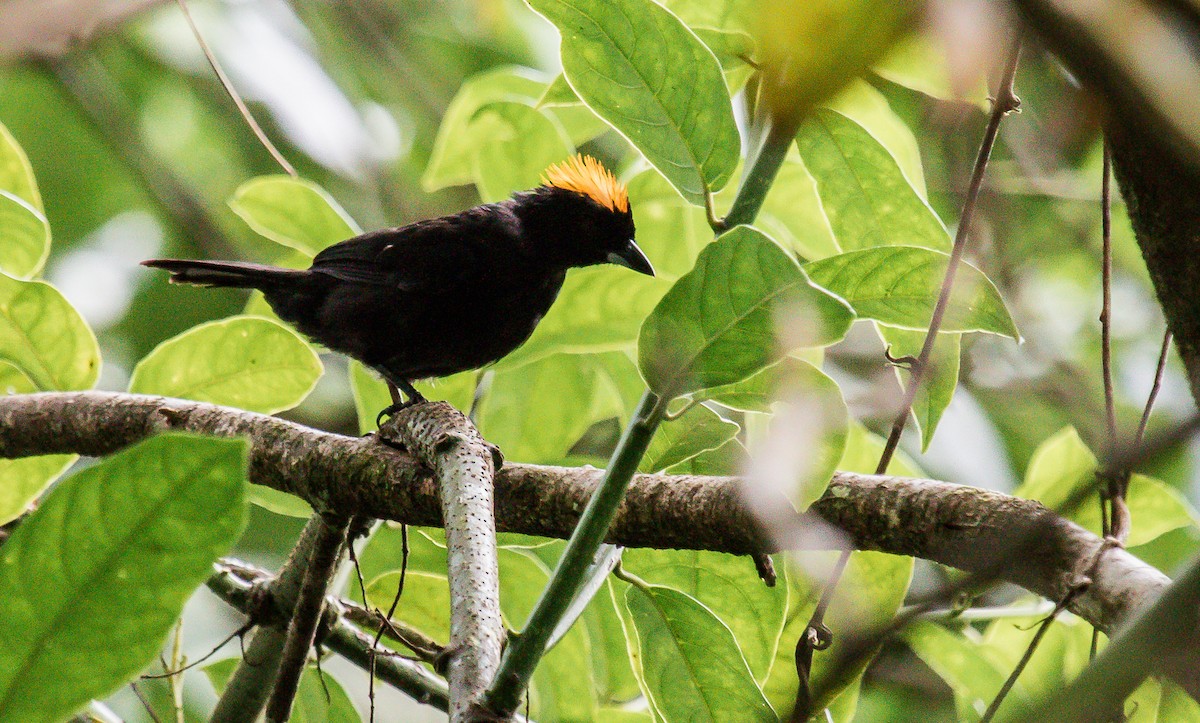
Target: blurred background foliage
x=137, y=150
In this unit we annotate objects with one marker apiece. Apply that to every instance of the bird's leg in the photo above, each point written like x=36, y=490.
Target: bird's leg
x=414, y=397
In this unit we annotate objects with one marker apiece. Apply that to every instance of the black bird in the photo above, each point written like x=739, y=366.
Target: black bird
x=448, y=294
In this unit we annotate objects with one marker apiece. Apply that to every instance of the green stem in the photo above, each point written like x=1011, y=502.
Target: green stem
x=524, y=653
x=760, y=177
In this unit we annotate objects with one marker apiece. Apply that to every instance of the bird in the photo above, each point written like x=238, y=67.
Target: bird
x=447, y=294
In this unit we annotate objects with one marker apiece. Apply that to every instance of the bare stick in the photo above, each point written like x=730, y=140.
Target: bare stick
x=234, y=95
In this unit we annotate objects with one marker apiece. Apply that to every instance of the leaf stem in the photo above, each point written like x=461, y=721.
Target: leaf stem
x=523, y=654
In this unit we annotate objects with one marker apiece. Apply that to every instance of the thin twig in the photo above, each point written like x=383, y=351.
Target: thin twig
x=1159, y=371
x=233, y=93
x=145, y=703
x=1005, y=102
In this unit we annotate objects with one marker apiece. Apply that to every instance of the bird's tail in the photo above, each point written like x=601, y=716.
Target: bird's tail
x=236, y=274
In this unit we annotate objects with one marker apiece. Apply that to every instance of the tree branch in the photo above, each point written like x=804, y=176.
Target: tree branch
x=965, y=527
x=446, y=440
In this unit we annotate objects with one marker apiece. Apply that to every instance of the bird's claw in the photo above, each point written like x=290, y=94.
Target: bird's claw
x=391, y=409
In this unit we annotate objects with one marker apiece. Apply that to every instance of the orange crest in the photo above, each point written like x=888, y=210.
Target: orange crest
x=584, y=174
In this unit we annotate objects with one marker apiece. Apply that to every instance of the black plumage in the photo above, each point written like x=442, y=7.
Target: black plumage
x=448, y=294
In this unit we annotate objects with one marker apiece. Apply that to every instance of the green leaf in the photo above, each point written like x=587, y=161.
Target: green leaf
x=45, y=337
x=864, y=449
x=806, y=438
x=22, y=480
x=615, y=678
x=719, y=323
x=517, y=143
x=966, y=669
x=537, y=412
x=319, y=698
x=870, y=593
x=860, y=102
x=698, y=430
x=24, y=237
x=867, y=197
x=425, y=604
x=93, y=581
x=451, y=161
x=243, y=361
x=691, y=664
x=938, y=381
x=757, y=393
x=1064, y=464
x=899, y=285
x=16, y=173
x=642, y=70
x=728, y=586
x=281, y=503
x=294, y=212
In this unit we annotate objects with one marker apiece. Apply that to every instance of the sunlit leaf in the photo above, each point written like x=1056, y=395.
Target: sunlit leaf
x=690, y=660
x=16, y=174
x=24, y=237
x=243, y=361
x=93, y=581
x=867, y=197
x=921, y=63
x=698, y=430
x=45, y=337
x=899, y=285
x=639, y=68
x=965, y=668
x=519, y=143
x=1063, y=464
x=728, y=585
x=294, y=212
x=870, y=109
x=721, y=322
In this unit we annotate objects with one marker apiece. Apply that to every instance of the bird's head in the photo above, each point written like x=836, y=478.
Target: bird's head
x=580, y=216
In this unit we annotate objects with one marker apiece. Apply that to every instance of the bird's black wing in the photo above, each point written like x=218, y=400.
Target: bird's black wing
x=434, y=255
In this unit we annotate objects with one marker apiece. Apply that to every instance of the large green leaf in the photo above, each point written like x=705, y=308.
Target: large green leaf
x=860, y=102
x=24, y=237
x=45, y=337
x=745, y=305
x=642, y=70
x=92, y=582
x=16, y=174
x=869, y=200
x=244, y=361
x=294, y=212
x=535, y=413
x=517, y=144
x=1063, y=464
x=450, y=162
x=691, y=664
x=806, y=436
x=966, y=669
x=698, y=430
x=729, y=587
x=899, y=285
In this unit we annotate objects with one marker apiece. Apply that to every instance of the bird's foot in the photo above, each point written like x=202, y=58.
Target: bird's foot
x=391, y=409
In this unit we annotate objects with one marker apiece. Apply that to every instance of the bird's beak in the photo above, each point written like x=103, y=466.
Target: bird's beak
x=631, y=257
